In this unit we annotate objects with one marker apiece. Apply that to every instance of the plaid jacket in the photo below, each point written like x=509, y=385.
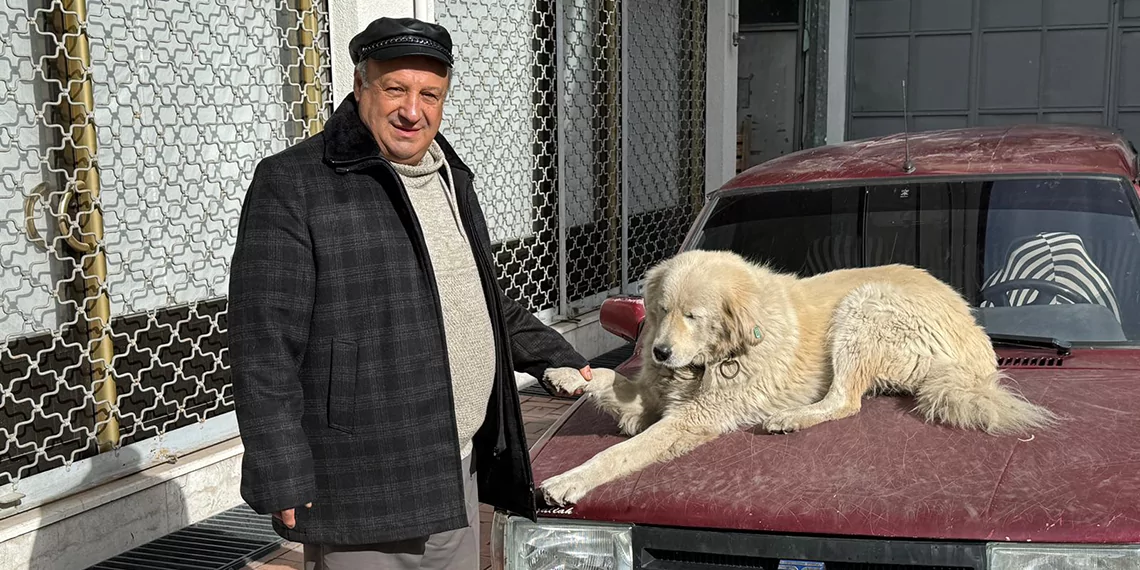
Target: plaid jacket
x=340, y=374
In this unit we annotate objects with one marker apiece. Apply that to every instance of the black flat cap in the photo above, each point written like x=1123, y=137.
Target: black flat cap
x=388, y=38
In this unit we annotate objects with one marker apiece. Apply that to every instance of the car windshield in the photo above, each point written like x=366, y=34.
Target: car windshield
x=1043, y=257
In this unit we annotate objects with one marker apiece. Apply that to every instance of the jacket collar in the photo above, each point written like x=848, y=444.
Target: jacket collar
x=349, y=145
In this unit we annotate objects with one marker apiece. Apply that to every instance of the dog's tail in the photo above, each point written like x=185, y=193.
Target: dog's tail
x=956, y=395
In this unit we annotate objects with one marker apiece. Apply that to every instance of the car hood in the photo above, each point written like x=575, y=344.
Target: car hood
x=886, y=473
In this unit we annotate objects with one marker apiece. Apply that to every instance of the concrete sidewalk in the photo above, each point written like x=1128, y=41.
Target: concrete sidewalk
x=539, y=412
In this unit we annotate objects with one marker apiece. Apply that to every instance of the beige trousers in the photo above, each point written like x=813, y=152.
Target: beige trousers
x=457, y=549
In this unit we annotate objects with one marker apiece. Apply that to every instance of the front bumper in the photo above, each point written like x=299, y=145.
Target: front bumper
x=562, y=544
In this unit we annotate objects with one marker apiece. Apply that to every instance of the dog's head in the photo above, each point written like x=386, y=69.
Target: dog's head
x=702, y=307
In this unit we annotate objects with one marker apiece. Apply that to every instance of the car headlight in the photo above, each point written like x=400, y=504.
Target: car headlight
x=1062, y=557
x=553, y=544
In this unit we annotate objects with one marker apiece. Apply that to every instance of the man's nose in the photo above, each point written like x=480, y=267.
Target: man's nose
x=409, y=110
x=662, y=353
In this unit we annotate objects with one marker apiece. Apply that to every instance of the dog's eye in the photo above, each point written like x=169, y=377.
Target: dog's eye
x=689, y=316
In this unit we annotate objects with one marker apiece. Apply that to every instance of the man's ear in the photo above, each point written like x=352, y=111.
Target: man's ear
x=359, y=76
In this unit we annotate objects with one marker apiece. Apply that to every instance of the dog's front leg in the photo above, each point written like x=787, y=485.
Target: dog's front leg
x=633, y=404
x=662, y=441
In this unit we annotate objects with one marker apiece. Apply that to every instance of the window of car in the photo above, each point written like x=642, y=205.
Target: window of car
x=1034, y=256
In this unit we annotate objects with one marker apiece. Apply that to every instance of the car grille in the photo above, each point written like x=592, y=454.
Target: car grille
x=691, y=560
x=658, y=548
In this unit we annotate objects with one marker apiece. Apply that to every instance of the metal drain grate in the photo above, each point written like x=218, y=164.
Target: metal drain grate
x=610, y=359
x=226, y=541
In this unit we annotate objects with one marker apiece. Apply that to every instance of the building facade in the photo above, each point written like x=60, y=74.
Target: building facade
x=813, y=71
x=129, y=132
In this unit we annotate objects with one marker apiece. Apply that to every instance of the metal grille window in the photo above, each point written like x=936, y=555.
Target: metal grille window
x=665, y=159
x=128, y=136
x=611, y=174
x=590, y=139
x=500, y=116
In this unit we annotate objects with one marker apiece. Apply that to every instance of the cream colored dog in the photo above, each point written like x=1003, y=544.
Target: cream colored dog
x=729, y=344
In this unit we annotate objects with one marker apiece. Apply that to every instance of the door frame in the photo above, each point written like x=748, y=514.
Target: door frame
x=800, y=81
x=720, y=92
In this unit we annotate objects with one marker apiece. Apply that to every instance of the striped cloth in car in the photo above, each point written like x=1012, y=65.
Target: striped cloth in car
x=1059, y=257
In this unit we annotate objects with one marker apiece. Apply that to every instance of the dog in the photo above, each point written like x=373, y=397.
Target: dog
x=730, y=343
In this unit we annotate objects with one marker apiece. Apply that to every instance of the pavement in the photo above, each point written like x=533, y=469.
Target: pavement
x=539, y=412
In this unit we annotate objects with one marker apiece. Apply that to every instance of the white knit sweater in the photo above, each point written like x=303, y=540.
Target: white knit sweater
x=466, y=321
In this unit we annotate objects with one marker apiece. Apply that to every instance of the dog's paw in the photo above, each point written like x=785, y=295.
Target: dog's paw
x=564, y=490
x=569, y=380
x=783, y=422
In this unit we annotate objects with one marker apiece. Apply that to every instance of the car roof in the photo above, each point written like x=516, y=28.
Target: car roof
x=1020, y=149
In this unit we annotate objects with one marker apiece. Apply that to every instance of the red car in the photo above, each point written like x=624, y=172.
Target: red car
x=1038, y=227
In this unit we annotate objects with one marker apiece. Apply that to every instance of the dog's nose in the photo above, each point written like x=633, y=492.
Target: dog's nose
x=661, y=353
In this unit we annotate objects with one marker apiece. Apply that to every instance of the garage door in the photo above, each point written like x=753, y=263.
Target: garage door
x=993, y=62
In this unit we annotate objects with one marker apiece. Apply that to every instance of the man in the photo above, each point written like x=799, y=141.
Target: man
x=372, y=349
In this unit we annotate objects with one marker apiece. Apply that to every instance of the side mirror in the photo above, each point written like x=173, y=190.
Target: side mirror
x=622, y=316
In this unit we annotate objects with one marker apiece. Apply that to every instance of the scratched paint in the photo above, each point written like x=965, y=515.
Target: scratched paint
x=886, y=473
x=1023, y=149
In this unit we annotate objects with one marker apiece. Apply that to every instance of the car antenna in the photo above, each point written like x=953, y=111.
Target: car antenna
x=908, y=166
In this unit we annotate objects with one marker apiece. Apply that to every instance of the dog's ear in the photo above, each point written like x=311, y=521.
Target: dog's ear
x=653, y=278
x=651, y=298
x=743, y=314
x=651, y=292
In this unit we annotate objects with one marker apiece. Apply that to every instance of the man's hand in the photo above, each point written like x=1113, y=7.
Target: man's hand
x=588, y=374
x=559, y=388
x=286, y=516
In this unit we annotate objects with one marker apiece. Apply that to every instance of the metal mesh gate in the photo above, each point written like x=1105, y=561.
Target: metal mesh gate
x=584, y=121
x=666, y=122
x=128, y=133
x=500, y=116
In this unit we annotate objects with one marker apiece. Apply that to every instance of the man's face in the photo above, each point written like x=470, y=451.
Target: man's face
x=402, y=104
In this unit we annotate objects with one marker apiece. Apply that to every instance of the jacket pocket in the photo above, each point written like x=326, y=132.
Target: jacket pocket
x=342, y=386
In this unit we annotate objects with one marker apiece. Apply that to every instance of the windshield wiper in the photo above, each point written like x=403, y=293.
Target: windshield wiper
x=1063, y=347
